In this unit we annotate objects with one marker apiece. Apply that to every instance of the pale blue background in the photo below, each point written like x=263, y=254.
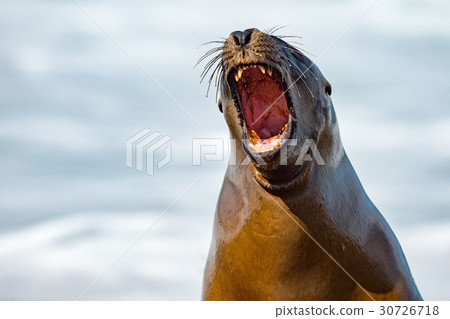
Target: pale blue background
x=70, y=98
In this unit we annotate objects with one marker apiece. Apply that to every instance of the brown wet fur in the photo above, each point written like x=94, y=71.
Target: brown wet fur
x=258, y=252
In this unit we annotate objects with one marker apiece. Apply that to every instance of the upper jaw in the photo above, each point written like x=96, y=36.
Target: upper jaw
x=254, y=146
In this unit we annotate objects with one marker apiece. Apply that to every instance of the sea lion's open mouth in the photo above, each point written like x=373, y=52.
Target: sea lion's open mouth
x=274, y=99
x=263, y=104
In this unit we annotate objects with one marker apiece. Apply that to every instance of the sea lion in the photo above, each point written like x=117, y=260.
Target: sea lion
x=286, y=229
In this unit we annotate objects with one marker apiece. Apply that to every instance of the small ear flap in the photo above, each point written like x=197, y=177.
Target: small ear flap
x=220, y=105
x=328, y=89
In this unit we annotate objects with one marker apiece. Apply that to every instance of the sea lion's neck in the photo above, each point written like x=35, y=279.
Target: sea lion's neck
x=327, y=190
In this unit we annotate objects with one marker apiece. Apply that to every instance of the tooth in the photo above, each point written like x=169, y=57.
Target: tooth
x=240, y=70
x=236, y=77
x=269, y=70
x=254, y=138
x=263, y=69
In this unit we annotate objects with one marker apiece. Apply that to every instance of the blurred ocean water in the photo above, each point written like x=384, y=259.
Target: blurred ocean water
x=70, y=98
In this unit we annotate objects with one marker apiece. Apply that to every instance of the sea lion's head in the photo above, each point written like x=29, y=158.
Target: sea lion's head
x=275, y=101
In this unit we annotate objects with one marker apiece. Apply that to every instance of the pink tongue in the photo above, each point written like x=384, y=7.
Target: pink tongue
x=267, y=121
x=266, y=110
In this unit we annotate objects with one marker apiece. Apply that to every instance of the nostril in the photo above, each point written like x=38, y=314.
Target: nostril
x=241, y=38
x=236, y=39
x=247, y=34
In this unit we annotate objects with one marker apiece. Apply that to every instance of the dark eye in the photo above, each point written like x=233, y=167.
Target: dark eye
x=220, y=105
x=328, y=89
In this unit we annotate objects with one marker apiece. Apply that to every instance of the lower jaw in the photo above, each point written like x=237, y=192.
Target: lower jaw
x=267, y=168
x=265, y=152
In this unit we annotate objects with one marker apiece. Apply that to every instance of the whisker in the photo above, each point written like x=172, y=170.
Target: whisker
x=308, y=69
x=215, y=64
x=302, y=75
x=299, y=43
x=269, y=31
x=216, y=60
x=219, y=65
x=212, y=52
x=207, y=54
x=217, y=84
x=277, y=28
x=219, y=76
x=209, y=42
x=287, y=72
x=289, y=36
x=307, y=52
x=209, y=66
x=218, y=56
x=292, y=63
x=205, y=72
x=292, y=48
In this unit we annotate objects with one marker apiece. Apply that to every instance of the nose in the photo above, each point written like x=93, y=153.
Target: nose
x=241, y=38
